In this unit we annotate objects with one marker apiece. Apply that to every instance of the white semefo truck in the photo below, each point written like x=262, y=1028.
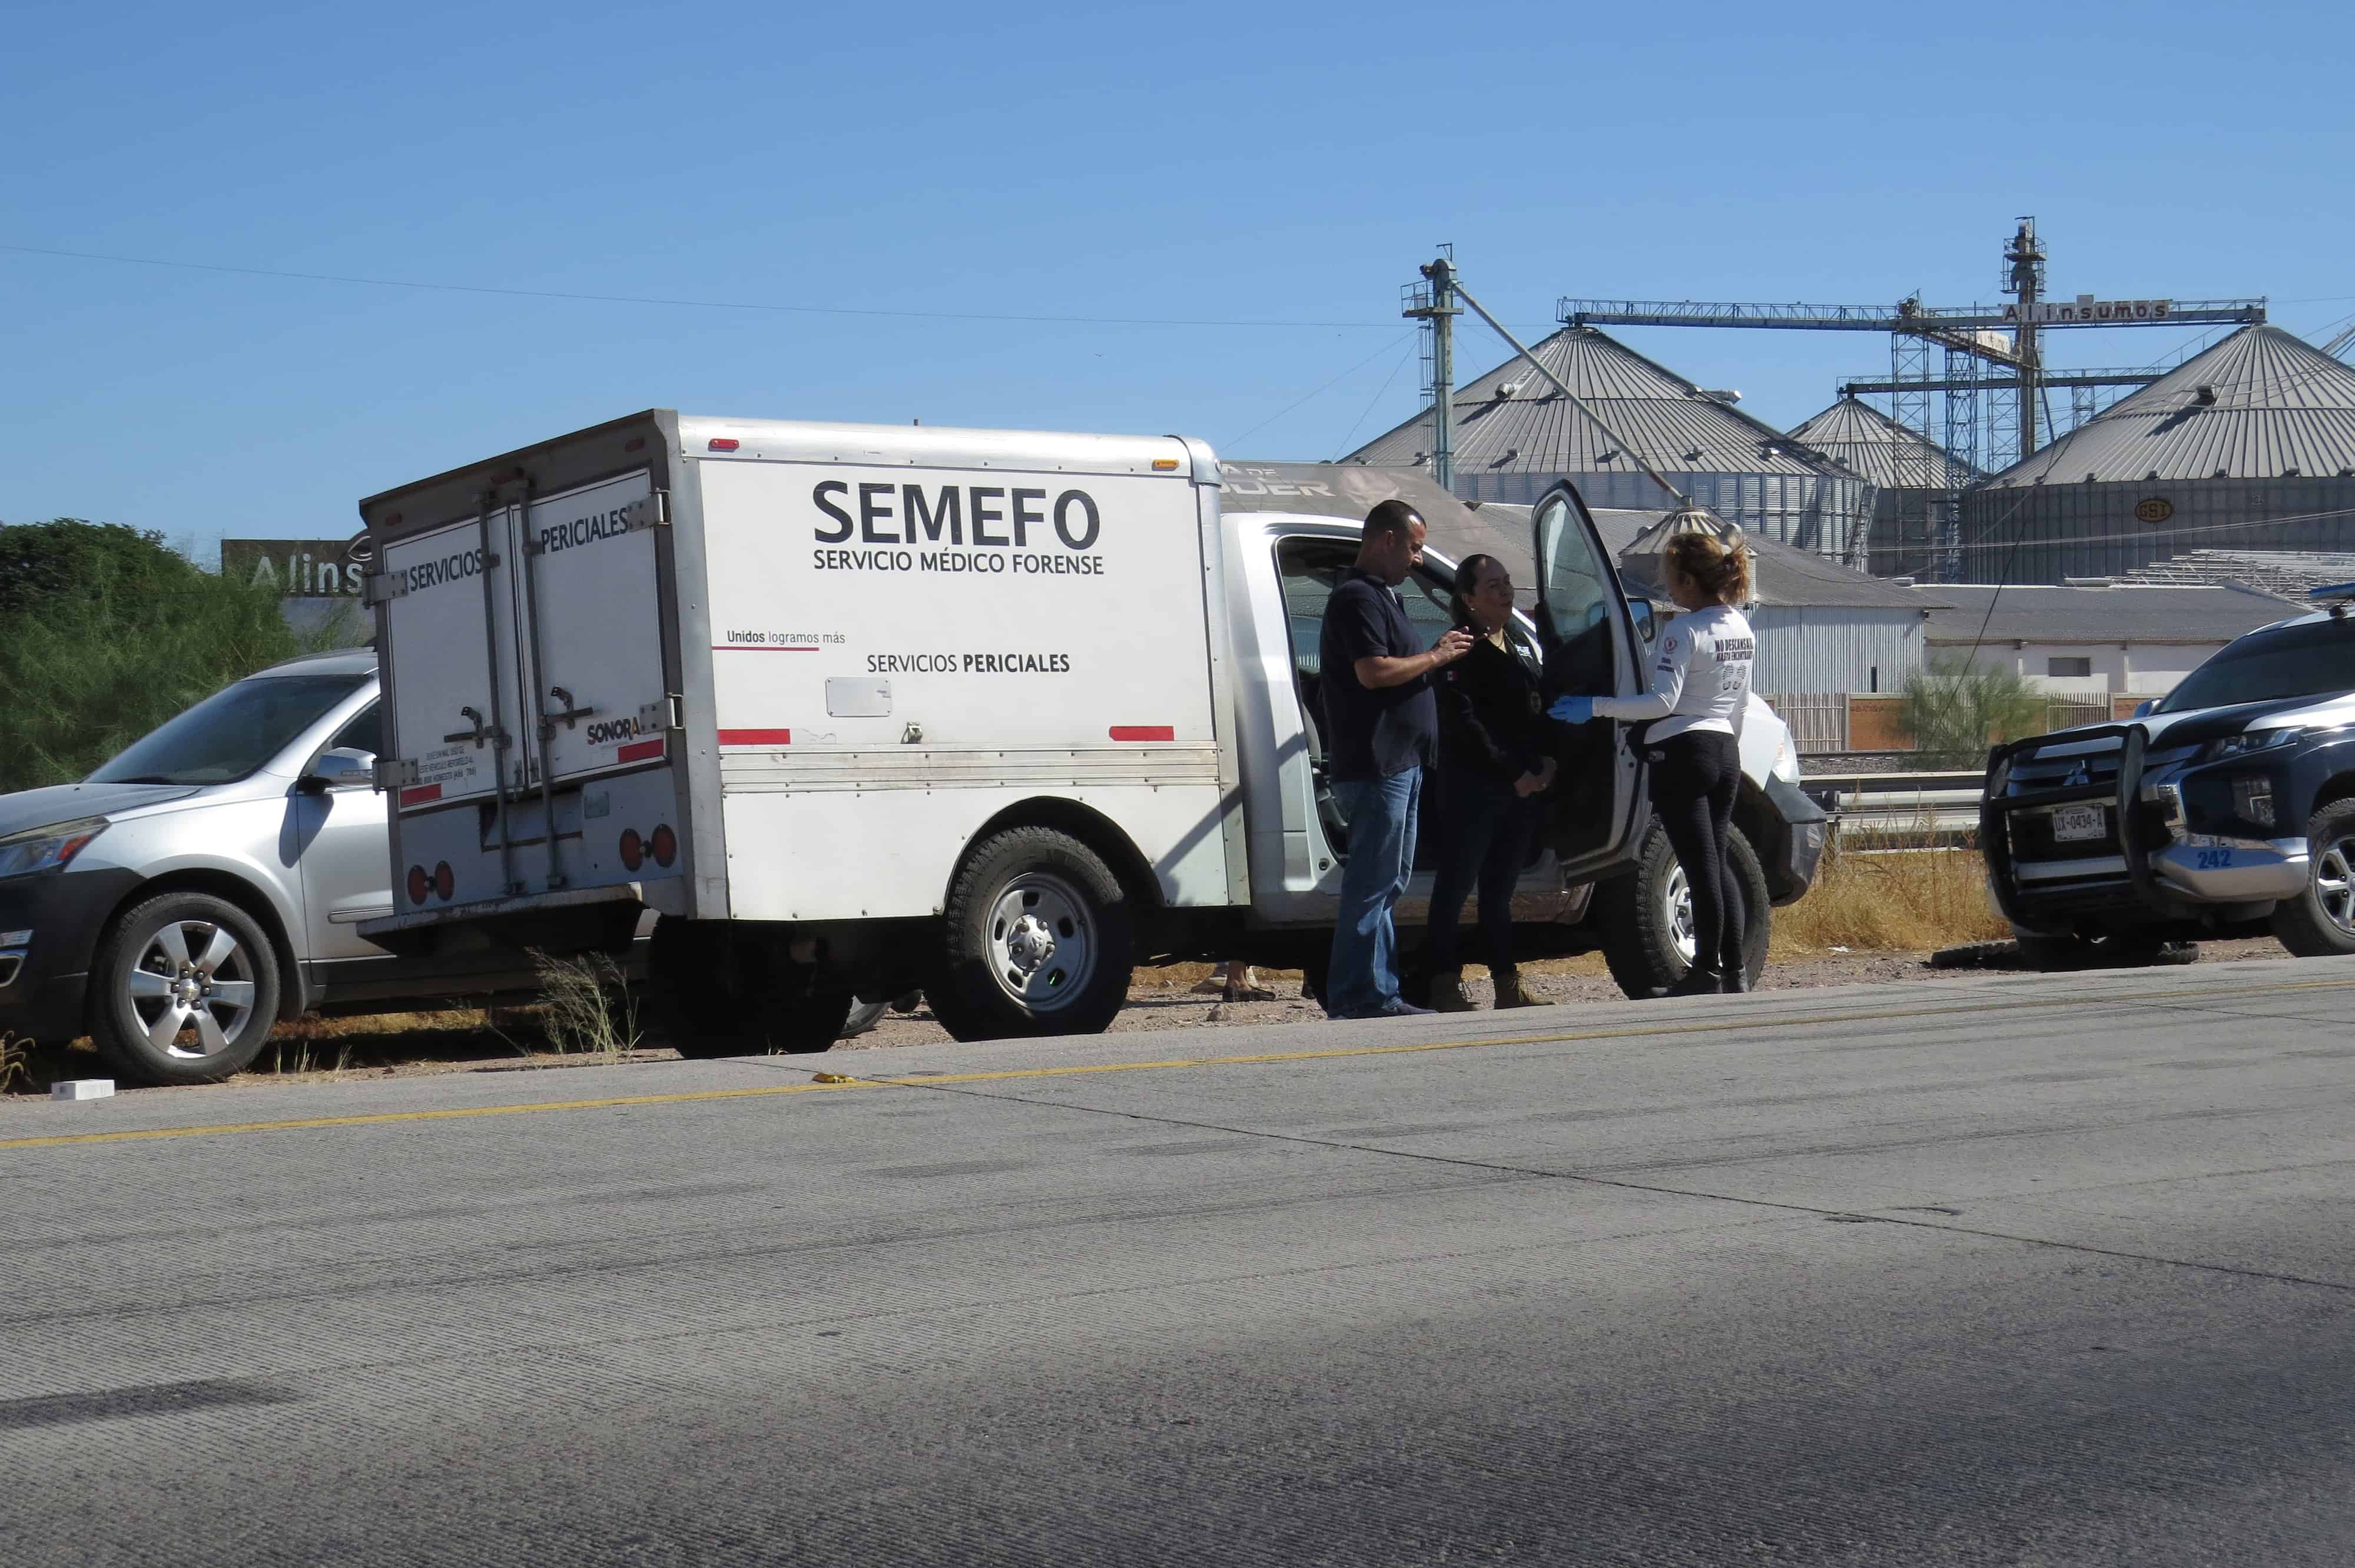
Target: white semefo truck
x=856, y=709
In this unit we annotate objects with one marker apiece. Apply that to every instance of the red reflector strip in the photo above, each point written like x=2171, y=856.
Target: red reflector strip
x=756, y=737
x=1144, y=732
x=723, y=444
x=639, y=750
x=418, y=795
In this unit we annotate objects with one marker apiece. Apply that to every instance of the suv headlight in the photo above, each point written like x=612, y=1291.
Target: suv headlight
x=47, y=849
x=2254, y=740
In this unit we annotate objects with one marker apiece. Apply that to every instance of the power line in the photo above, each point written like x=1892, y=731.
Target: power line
x=679, y=304
x=1288, y=408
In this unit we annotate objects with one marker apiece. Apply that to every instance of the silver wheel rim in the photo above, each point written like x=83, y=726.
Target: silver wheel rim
x=1042, y=942
x=1676, y=898
x=191, y=989
x=2334, y=883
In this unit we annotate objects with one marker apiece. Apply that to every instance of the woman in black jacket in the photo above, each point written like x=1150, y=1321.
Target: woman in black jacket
x=1493, y=765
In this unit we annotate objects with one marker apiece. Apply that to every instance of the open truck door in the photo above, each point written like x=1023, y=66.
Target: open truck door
x=1599, y=807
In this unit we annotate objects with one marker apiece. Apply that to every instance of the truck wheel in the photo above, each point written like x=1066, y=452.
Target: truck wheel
x=184, y=988
x=1646, y=915
x=1036, y=940
x=2320, y=923
x=714, y=991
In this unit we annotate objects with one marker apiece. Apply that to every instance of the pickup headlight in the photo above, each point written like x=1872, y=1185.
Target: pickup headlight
x=47, y=849
x=2254, y=740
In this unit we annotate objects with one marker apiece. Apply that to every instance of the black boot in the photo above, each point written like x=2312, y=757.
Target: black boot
x=1735, y=979
x=1700, y=979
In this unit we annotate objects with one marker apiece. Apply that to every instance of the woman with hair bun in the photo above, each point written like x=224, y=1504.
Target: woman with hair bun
x=1692, y=718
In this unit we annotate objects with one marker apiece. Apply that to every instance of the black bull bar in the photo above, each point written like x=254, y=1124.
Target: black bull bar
x=1996, y=807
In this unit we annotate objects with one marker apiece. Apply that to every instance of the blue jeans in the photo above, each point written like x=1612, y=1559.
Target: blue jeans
x=1381, y=814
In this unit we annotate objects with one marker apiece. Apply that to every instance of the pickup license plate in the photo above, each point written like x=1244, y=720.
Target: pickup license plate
x=2072, y=824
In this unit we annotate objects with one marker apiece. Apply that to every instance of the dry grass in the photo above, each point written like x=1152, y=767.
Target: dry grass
x=15, y=1064
x=585, y=1005
x=1905, y=900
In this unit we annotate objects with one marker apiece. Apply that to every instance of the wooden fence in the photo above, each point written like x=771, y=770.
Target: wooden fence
x=1822, y=723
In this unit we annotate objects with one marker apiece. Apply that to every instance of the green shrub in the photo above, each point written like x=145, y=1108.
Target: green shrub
x=1955, y=709
x=105, y=632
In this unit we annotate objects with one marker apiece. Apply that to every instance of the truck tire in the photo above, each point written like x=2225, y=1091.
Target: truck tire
x=715, y=991
x=2320, y=923
x=1645, y=915
x=1037, y=938
x=183, y=990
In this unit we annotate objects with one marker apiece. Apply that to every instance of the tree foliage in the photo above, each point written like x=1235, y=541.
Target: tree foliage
x=1955, y=709
x=105, y=632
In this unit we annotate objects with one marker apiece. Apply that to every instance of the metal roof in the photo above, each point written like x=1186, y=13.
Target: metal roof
x=2262, y=403
x=1511, y=421
x=2131, y=613
x=1876, y=445
x=2286, y=574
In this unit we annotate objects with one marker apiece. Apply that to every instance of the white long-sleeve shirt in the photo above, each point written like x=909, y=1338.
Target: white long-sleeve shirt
x=1700, y=676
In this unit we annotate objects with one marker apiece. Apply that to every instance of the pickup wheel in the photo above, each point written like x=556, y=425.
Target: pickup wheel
x=1036, y=939
x=1646, y=916
x=2320, y=923
x=183, y=990
x=714, y=991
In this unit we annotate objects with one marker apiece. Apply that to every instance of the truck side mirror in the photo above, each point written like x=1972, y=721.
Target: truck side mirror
x=1648, y=619
x=2143, y=708
x=341, y=767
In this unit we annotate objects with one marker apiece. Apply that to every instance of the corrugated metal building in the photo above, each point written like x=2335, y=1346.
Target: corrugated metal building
x=1515, y=435
x=1914, y=480
x=2249, y=444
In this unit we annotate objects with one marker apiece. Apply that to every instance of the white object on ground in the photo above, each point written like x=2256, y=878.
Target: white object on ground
x=83, y=1089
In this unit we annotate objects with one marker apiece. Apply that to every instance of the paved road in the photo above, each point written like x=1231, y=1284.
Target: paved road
x=2018, y=1271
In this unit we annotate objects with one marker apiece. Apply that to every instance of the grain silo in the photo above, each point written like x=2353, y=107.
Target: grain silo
x=1916, y=483
x=1515, y=435
x=2248, y=445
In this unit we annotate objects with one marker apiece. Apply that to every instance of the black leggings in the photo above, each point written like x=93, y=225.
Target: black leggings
x=1694, y=778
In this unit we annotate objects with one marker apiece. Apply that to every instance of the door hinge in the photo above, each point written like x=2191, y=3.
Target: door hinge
x=667, y=714
x=377, y=587
x=393, y=772
x=648, y=512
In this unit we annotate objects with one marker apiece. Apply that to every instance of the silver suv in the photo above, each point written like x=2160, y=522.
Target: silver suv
x=210, y=880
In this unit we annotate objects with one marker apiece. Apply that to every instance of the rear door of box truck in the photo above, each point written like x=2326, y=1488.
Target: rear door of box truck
x=529, y=651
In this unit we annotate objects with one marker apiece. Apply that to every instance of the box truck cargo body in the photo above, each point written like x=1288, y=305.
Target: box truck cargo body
x=857, y=709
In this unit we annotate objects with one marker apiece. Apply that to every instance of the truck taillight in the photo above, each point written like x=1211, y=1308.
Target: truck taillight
x=446, y=881
x=634, y=850
x=665, y=845
x=723, y=444
x=419, y=884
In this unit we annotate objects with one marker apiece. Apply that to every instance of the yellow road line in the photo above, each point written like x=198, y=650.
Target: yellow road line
x=1692, y=1026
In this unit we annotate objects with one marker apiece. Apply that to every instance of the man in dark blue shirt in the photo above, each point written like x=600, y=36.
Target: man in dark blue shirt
x=1380, y=725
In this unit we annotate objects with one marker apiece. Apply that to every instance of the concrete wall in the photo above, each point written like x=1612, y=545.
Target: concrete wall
x=2143, y=668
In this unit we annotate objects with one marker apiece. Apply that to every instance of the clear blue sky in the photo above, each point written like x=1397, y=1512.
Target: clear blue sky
x=1198, y=163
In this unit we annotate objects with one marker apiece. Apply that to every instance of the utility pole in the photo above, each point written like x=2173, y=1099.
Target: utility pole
x=2024, y=275
x=1433, y=302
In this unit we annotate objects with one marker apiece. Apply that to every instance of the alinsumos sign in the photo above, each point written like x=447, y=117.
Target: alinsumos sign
x=299, y=569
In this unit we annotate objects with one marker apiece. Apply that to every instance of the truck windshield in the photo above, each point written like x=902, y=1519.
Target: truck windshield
x=2315, y=660
x=231, y=732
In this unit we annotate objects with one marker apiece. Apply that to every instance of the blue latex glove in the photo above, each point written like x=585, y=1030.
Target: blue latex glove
x=1572, y=710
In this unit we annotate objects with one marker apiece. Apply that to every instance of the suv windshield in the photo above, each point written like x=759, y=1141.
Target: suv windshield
x=2315, y=660
x=231, y=733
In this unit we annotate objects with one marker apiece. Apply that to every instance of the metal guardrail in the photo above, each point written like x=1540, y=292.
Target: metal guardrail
x=1943, y=806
